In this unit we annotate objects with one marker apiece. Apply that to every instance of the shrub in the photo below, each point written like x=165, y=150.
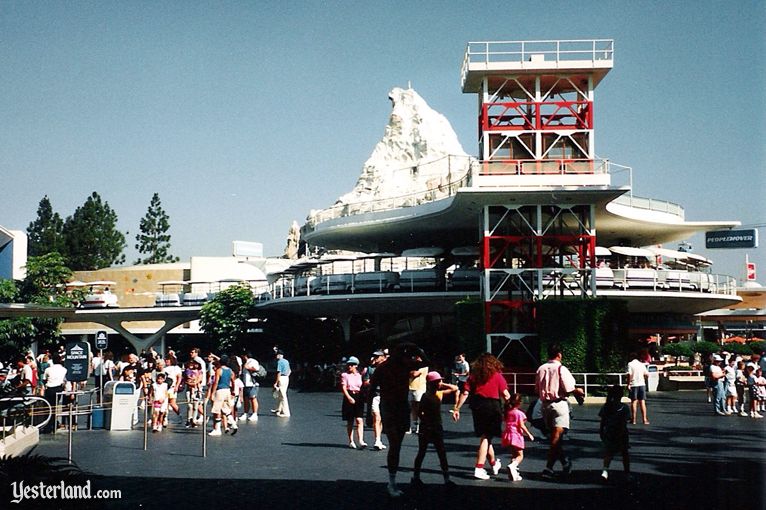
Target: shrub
x=736, y=348
x=679, y=349
x=592, y=332
x=757, y=347
x=705, y=348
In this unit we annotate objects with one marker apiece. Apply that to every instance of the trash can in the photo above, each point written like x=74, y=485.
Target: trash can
x=120, y=398
x=97, y=417
x=653, y=380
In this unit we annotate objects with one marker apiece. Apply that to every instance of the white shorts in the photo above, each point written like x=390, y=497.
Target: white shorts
x=222, y=401
x=416, y=395
x=556, y=414
x=375, y=406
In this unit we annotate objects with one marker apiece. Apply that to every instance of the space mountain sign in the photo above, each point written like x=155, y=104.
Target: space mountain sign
x=746, y=238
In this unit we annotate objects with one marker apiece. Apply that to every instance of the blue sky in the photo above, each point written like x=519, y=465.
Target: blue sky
x=243, y=116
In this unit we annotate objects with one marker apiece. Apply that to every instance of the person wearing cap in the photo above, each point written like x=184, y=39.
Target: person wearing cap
x=352, y=410
x=717, y=382
x=431, y=430
x=281, y=384
x=378, y=357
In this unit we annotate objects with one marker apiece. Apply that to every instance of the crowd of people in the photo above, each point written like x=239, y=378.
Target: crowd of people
x=396, y=394
x=735, y=386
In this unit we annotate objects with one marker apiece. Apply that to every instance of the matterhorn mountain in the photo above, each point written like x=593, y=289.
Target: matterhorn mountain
x=415, y=161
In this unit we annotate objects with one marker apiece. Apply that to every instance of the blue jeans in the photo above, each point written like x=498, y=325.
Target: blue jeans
x=719, y=396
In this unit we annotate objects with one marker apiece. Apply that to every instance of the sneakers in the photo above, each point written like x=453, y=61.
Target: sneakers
x=243, y=417
x=513, y=473
x=743, y=413
x=566, y=466
x=605, y=475
x=417, y=483
x=720, y=413
x=362, y=445
x=252, y=417
x=480, y=473
x=756, y=414
x=393, y=491
x=379, y=446
x=283, y=415
x=548, y=474
x=496, y=467
x=352, y=445
x=214, y=432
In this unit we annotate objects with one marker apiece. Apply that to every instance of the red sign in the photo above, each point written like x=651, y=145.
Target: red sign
x=751, y=271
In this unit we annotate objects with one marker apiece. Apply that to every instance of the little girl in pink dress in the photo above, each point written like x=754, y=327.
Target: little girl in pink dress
x=513, y=435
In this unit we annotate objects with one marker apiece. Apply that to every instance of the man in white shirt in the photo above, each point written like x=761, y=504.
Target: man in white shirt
x=54, y=378
x=637, y=376
x=250, y=389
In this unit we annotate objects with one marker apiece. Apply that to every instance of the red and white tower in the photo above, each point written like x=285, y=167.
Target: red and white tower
x=537, y=145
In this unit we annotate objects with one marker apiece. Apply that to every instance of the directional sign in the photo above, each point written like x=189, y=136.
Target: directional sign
x=76, y=363
x=747, y=238
x=102, y=340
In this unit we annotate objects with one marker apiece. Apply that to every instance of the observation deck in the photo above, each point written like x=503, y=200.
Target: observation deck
x=591, y=57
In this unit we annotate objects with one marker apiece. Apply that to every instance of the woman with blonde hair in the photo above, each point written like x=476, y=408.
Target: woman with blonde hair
x=486, y=386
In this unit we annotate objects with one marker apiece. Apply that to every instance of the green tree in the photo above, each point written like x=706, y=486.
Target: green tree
x=91, y=236
x=43, y=285
x=224, y=318
x=154, y=240
x=46, y=232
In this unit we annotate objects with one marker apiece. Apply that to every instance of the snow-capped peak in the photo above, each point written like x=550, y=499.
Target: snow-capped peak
x=419, y=152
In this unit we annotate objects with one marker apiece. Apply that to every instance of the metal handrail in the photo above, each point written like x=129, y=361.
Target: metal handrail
x=650, y=204
x=594, y=50
x=25, y=415
x=442, y=190
x=581, y=378
x=545, y=280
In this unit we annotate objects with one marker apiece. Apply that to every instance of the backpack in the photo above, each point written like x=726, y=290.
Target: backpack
x=261, y=372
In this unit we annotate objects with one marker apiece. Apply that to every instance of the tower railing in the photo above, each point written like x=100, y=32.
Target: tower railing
x=488, y=52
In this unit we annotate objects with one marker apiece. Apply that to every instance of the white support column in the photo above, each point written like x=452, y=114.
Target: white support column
x=591, y=131
x=483, y=98
x=538, y=133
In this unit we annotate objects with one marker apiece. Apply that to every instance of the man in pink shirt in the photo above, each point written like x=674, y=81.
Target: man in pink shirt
x=554, y=382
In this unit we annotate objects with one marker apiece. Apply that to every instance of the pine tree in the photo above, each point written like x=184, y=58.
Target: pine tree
x=46, y=232
x=153, y=240
x=91, y=237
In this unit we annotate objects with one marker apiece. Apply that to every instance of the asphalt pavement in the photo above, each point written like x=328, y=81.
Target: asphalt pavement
x=686, y=458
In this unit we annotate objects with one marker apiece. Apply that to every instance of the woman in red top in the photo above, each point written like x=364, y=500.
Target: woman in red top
x=487, y=386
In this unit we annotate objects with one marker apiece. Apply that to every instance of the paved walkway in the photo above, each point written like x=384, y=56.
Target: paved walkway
x=686, y=458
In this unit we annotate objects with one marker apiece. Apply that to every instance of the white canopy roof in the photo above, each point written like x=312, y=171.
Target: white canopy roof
x=423, y=252
x=465, y=251
x=602, y=251
x=101, y=282
x=631, y=252
x=671, y=254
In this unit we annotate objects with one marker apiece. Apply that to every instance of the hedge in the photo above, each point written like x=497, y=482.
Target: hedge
x=592, y=333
